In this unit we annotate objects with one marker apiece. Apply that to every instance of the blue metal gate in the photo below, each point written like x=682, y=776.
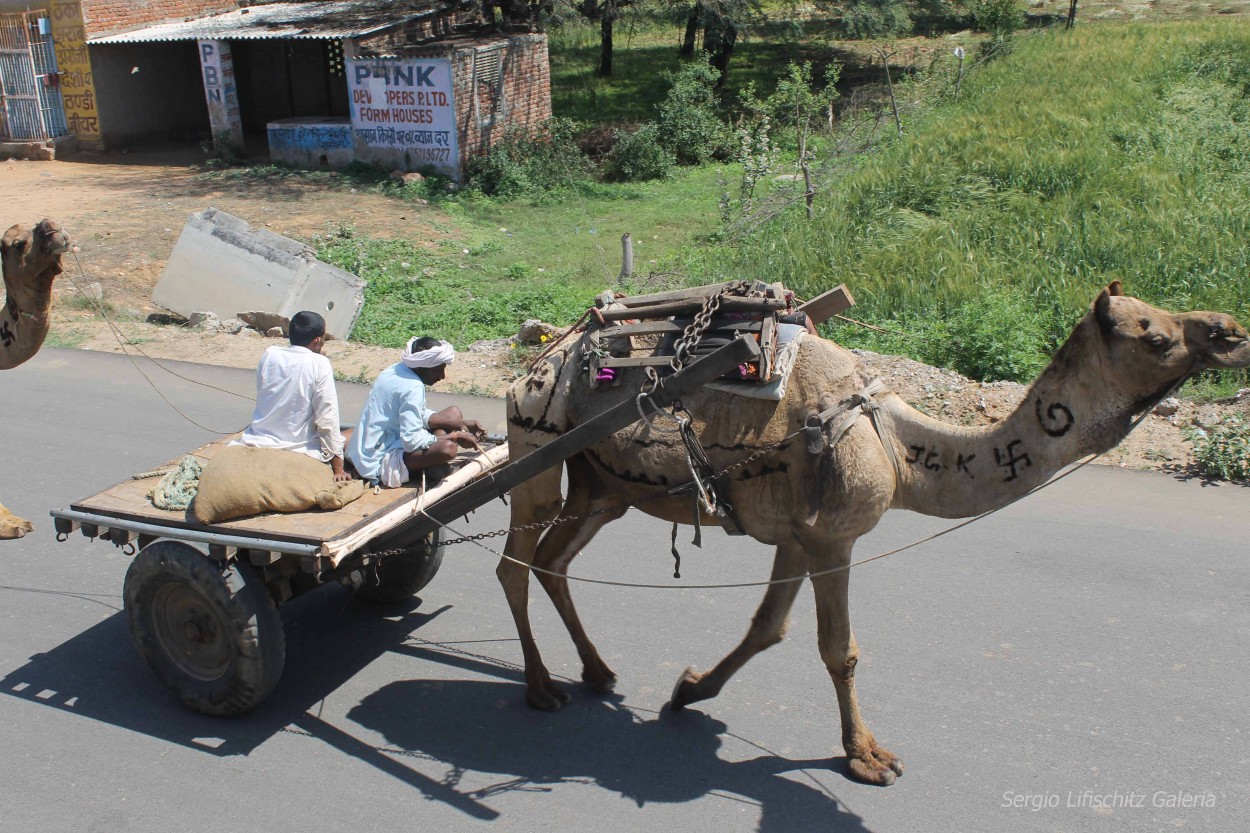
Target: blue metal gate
x=30, y=92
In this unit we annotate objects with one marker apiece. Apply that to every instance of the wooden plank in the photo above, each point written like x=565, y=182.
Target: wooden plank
x=129, y=501
x=372, y=514
x=639, y=361
x=644, y=328
x=828, y=304
x=315, y=563
x=262, y=558
x=583, y=436
x=699, y=292
x=340, y=546
x=121, y=537
x=654, y=327
x=768, y=347
x=693, y=306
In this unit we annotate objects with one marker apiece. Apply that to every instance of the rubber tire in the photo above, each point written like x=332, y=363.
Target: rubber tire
x=172, y=588
x=400, y=576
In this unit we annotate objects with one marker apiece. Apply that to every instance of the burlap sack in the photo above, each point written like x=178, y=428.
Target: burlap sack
x=241, y=481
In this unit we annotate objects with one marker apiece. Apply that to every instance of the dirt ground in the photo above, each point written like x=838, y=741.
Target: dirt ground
x=126, y=211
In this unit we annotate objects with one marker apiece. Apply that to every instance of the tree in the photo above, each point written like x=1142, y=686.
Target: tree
x=873, y=18
x=529, y=13
x=721, y=22
x=607, y=12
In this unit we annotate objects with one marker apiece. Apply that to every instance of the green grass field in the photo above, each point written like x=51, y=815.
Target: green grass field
x=1111, y=152
x=510, y=261
x=1116, y=151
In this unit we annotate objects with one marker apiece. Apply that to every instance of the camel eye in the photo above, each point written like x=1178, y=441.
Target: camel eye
x=1157, y=341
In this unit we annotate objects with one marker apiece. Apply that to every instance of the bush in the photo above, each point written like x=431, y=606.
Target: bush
x=998, y=335
x=1222, y=452
x=531, y=161
x=688, y=119
x=638, y=156
x=997, y=17
x=876, y=19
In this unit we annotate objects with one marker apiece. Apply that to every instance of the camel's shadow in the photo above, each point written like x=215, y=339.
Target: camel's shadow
x=456, y=725
x=485, y=727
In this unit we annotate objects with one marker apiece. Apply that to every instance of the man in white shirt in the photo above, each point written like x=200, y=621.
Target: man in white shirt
x=297, y=407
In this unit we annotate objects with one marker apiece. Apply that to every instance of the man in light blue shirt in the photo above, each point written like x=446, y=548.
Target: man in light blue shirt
x=398, y=434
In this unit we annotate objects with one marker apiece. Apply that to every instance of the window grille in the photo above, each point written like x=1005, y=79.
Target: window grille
x=334, y=59
x=31, y=107
x=488, y=83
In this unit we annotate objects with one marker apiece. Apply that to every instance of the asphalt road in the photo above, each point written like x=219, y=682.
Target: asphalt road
x=1074, y=663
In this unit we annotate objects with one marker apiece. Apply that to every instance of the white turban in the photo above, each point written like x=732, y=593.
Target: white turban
x=441, y=353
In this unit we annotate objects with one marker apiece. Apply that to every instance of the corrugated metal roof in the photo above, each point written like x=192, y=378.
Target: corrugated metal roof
x=328, y=20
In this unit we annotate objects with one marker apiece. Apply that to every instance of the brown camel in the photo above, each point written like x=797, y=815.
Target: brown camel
x=1122, y=358
x=32, y=259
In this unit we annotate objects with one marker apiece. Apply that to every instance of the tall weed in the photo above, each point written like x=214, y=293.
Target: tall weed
x=1110, y=152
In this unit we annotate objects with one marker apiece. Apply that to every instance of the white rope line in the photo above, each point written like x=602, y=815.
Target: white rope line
x=1073, y=469
x=119, y=336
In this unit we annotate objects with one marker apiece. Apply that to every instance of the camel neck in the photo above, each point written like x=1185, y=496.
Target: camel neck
x=24, y=323
x=956, y=471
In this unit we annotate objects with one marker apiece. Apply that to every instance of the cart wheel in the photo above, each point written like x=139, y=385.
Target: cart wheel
x=212, y=636
x=399, y=576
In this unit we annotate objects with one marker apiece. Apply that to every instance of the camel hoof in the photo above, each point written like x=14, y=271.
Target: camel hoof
x=17, y=528
x=549, y=697
x=685, y=691
x=876, y=767
x=600, y=682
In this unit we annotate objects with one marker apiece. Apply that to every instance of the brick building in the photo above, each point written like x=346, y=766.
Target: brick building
x=410, y=84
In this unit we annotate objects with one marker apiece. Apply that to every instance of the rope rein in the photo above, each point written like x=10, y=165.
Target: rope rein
x=872, y=408
x=123, y=343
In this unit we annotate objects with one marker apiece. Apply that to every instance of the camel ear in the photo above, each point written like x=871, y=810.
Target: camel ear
x=1102, y=307
x=1115, y=288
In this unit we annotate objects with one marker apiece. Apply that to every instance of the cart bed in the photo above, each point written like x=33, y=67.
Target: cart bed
x=331, y=534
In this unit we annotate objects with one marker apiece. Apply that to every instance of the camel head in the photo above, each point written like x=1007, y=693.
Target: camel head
x=1125, y=356
x=1145, y=350
x=32, y=257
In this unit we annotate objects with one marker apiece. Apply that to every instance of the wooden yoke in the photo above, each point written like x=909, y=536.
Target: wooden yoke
x=668, y=390
x=754, y=311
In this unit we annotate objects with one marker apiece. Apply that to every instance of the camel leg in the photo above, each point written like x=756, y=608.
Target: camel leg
x=537, y=500
x=557, y=550
x=768, y=627
x=11, y=526
x=868, y=762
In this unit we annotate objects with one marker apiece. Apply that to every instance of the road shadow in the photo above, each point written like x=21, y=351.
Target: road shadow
x=99, y=675
x=445, y=727
x=1205, y=480
x=645, y=757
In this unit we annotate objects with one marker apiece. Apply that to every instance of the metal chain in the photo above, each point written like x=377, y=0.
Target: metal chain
x=693, y=334
x=482, y=536
x=690, y=337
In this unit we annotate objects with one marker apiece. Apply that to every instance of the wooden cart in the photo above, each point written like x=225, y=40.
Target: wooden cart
x=202, y=600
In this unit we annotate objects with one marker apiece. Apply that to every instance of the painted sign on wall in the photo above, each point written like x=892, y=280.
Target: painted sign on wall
x=221, y=92
x=69, y=39
x=403, y=112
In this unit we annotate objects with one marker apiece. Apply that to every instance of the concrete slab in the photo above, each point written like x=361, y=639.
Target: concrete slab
x=221, y=264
